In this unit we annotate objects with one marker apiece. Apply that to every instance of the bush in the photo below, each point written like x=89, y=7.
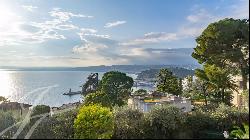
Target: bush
x=59, y=126
x=64, y=129
x=198, y=122
x=39, y=110
x=94, y=122
x=6, y=120
x=227, y=117
x=164, y=121
x=128, y=123
x=213, y=123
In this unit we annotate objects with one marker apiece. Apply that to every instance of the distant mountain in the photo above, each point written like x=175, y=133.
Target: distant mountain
x=102, y=68
x=152, y=73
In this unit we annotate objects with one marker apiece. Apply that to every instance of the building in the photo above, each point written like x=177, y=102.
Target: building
x=145, y=104
x=185, y=82
x=18, y=109
x=237, y=95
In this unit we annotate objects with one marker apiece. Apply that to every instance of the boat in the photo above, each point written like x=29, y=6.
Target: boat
x=72, y=93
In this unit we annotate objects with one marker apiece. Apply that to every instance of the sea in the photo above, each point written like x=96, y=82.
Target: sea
x=44, y=87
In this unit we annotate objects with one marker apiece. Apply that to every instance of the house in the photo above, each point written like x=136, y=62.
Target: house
x=19, y=109
x=237, y=95
x=145, y=103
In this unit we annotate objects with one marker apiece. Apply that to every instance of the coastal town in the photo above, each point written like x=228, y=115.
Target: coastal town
x=95, y=69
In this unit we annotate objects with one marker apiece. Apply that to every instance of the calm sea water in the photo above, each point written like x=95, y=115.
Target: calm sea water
x=43, y=87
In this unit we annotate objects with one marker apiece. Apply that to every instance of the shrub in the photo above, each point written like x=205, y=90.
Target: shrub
x=64, y=128
x=213, y=123
x=6, y=120
x=163, y=121
x=94, y=122
x=59, y=126
x=227, y=117
x=198, y=122
x=39, y=110
x=128, y=123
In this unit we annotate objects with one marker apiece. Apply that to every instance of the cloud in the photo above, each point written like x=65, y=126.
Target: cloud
x=200, y=15
x=152, y=37
x=113, y=24
x=65, y=16
x=88, y=47
x=29, y=8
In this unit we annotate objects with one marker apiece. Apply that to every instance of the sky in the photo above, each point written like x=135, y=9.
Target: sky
x=73, y=33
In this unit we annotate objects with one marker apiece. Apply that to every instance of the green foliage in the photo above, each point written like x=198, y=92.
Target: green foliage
x=198, y=122
x=6, y=120
x=3, y=99
x=239, y=133
x=140, y=92
x=114, y=89
x=64, y=127
x=98, y=97
x=39, y=110
x=167, y=82
x=164, y=121
x=225, y=44
x=128, y=123
x=151, y=74
x=94, y=122
x=43, y=131
x=59, y=126
x=227, y=117
x=216, y=82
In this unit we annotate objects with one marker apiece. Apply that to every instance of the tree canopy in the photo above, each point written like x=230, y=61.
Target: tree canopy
x=168, y=83
x=114, y=89
x=225, y=44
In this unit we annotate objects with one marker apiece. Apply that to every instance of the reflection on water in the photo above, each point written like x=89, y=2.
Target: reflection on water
x=42, y=87
x=5, y=84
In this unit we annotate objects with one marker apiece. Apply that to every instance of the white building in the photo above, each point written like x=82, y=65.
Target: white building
x=145, y=105
x=238, y=100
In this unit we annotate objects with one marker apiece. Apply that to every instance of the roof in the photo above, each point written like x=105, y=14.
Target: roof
x=13, y=105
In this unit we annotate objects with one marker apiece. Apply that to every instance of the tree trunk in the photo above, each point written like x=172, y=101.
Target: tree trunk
x=244, y=75
x=206, y=100
x=223, y=95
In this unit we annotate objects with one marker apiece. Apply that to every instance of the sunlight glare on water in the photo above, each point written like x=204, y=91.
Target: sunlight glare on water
x=5, y=83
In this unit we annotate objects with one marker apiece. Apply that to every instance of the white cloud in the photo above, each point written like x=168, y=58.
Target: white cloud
x=65, y=16
x=85, y=33
x=113, y=24
x=88, y=47
x=29, y=8
x=88, y=30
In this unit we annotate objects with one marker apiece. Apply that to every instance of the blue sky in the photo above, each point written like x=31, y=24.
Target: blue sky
x=106, y=32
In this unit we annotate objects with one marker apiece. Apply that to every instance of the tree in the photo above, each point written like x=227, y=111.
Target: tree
x=201, y=87
x=220, y=81
x=225, y=44
x=140, y=92
x=116, y=87
x=98, y=97
x=3, y=99
x=167, y=82
x=94, y=122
